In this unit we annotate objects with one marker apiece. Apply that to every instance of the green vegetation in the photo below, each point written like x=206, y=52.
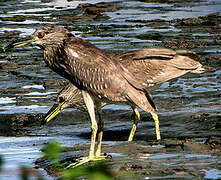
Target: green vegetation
x=52, y=152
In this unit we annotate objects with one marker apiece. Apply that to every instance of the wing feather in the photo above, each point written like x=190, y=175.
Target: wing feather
x=154, y=66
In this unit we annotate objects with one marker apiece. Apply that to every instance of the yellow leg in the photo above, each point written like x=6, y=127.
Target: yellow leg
x=100, y=132
x=157, y=126
x=90, y=107
x=88, y=100
x=134, y=127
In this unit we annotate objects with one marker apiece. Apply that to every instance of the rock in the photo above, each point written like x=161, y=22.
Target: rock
x=17, y=18
x=190, y=22
x=214, y=142
x=213, y=60
x=182, y=44
x=90, y=11
x=214, y=30
x=99, y=8
x=11, y=33
x=199, y=116
x=8, y=65
x=209, y=20
x=13, y=124
x=151, y=36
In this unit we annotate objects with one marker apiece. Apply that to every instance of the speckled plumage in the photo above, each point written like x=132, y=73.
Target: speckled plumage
x=148, y=66
x=102, y=77
x=90, y=68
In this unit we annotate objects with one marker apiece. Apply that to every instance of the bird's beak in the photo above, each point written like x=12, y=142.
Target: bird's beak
x=18, y=44
x=23, y=43
x=53, y=112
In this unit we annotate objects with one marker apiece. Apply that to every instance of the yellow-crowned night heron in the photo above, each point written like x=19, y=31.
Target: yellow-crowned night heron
x=165, y=63
x=101, y=77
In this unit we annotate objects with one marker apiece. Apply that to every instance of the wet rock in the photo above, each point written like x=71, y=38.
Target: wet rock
x=209, y=20
x=191, y=22
x=182, y=44
x=3, y=74
x=199, y=116
x=17, y=18
x=214, y=17
x=151, y=36
x=97, y=9
x=194, y=147
x=217, y=41
x=173, y=144
x=8, y=65
x=10, y=58
x=13, y=91
x=90, y=11
x=214, y=142
x=50, y=83
x=213, y=60
x=11, y=33
x=13, y=124
x=214, y=30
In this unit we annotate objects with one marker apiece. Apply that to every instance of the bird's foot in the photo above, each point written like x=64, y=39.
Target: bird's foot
x=87, y=159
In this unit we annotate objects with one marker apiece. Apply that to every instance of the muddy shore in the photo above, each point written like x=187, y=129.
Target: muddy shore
x=189, y=106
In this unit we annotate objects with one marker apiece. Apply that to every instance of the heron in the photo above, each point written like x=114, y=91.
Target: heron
x=101, y=77
x=70, y=96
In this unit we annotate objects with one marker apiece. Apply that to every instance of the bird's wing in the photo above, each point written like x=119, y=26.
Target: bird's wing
x=153, y=66
x=145, y=54
x=96, y=71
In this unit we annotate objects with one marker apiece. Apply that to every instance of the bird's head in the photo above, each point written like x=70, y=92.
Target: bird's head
x=68, y=97
x=54, y=111
x=46, y=36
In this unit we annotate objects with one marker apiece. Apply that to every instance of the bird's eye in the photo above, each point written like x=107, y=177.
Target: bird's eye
x=61, y=99
x=41, y=35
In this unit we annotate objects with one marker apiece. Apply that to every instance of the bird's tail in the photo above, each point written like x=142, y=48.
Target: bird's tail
x=202, y=69
x=142, y=99
x=189, y=60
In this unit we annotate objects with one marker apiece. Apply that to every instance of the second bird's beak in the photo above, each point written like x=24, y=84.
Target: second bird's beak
x=53, y=112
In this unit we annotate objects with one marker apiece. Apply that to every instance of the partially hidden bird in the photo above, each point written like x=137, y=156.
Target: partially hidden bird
x=103, y=78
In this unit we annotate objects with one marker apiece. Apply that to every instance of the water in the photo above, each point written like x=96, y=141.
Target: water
x=23, y=92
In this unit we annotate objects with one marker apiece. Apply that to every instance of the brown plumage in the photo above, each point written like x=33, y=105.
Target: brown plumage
x=149, y=66
x=102, y=77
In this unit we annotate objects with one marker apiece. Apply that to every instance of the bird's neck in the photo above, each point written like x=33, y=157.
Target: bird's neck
x=53, y=54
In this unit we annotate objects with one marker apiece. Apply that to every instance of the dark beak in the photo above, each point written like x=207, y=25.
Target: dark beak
x=52, y=113
x=18, y=44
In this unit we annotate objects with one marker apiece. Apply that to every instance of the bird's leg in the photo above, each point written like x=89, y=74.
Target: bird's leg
x=157, y=126
x=90, y=106
x=134, y=127
x=89, y=102
x=100, y=132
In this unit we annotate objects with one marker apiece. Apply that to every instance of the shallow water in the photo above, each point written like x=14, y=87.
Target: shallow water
x=22, y=90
